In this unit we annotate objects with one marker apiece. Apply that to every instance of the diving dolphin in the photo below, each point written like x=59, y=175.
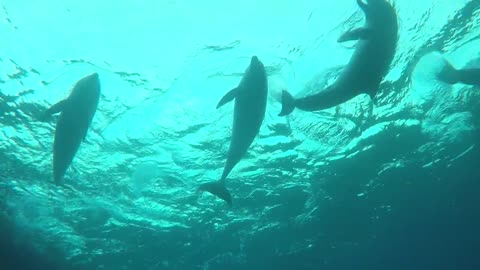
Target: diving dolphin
x=249, y=111
x=76, y=114
x=370, y=62
x=451, y=75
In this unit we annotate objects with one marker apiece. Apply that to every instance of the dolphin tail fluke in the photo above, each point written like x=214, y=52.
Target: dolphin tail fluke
x=288, y=103
x=448, y=74
x=218, y=189
x=451, y=75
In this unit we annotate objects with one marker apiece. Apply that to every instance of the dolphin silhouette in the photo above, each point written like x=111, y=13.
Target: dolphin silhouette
x=370, y=62
x=76, y=114
x=250, y=103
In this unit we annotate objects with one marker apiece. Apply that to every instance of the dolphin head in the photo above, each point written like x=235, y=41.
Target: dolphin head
x=87, y=89
x=377, y=5
x=255, y=63
x=92, y=82
x=255, y=75
x=256, y=67
x=91, y=79
x=380, y=13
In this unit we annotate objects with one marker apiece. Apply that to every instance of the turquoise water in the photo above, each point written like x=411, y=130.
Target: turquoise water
x=390, y=184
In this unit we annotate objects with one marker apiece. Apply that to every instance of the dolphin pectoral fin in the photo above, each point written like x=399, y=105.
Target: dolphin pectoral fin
x=288, y=103
x=58, y=107
x=228, y=97
x=218, y=189
x=355, y=34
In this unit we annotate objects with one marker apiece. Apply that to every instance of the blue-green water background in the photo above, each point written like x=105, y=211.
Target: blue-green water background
x=387, y=186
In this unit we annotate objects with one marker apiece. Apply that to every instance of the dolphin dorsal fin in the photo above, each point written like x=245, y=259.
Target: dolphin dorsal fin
x=228, y=97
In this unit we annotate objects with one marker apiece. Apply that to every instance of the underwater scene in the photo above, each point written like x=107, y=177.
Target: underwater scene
x=212, y=135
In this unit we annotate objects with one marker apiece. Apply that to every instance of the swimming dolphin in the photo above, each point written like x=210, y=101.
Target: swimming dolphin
x=370, y=62
x=250, y=104
x=451, y=75
x=76, y=114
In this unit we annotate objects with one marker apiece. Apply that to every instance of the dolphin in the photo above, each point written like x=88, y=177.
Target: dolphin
x=76, y=114
x=249, y=111
x=370, y=62
x=451, y=75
